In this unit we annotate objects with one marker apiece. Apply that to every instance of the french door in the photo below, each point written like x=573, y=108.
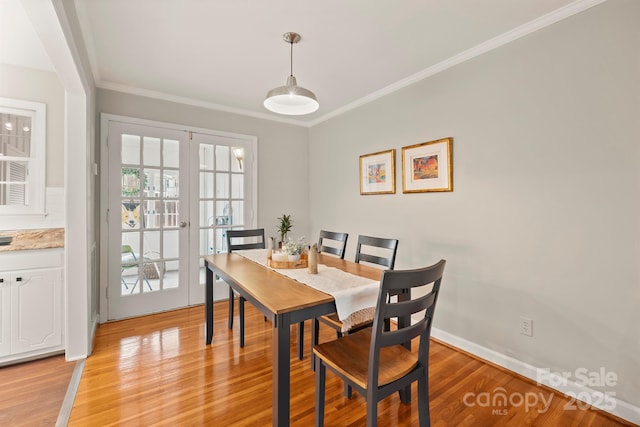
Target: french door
x=172, y=195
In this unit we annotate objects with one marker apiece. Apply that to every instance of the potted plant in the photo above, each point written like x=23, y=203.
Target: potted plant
x=284, y=227
x=294, y=249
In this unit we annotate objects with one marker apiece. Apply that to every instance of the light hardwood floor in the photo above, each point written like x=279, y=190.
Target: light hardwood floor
x=156, y=370
x=31, y=393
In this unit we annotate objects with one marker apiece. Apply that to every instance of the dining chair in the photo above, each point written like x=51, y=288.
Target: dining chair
x=374, y=250
x=237, y=240
x=337, y=243
x=378, y=362
x=329, y=242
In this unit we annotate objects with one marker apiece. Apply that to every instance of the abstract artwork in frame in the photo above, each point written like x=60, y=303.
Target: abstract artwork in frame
x=427, y=167
x=378, y=173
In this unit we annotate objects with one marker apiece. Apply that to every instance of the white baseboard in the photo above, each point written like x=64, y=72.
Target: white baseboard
x=581, y=393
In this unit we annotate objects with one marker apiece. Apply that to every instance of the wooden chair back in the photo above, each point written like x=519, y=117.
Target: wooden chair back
x=364, y=254
x=337, y=250
x=414, y=297
x=253, y=234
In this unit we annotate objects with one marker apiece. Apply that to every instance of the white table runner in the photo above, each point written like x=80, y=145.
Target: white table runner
x=355, y=296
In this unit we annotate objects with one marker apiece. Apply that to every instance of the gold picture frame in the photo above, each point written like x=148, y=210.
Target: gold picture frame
x=378, y=173
x=428, y=167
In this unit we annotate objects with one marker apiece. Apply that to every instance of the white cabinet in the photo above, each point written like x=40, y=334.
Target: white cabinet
x=31, y=302
x=36, y=309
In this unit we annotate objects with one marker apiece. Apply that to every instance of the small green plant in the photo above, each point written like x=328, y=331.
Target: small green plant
x=295, y=248
x=285, y=226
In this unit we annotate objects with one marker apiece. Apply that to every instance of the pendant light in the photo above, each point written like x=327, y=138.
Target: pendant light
x=291, y=99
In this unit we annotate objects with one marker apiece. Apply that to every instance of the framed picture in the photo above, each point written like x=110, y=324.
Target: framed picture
x=427, y=167
x=378, y=173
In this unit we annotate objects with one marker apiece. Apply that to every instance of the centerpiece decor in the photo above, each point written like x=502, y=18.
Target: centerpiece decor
x=293, y=255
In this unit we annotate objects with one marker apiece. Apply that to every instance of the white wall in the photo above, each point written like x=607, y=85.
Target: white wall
x=544, y=219
x=282, y=151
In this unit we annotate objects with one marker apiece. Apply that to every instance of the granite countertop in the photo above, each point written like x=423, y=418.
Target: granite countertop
x=33, y=239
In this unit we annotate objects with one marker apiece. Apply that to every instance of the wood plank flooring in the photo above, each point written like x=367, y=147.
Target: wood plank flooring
x=31, y=393
x=156, y=370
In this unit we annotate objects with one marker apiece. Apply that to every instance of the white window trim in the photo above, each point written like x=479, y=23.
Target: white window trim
x=37, y=161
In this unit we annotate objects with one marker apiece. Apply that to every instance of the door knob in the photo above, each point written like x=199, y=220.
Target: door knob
x=183, y=224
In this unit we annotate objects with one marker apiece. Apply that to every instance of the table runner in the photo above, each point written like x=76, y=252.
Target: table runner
x=355, y=296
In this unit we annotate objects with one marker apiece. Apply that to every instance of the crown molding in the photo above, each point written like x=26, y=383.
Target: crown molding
x=491, y=44
x=196, y=102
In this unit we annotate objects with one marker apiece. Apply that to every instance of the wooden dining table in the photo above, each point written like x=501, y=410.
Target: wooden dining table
x=283, y=300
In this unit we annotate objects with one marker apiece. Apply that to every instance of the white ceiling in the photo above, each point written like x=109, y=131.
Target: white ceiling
x=19, y=43
x=228, y=54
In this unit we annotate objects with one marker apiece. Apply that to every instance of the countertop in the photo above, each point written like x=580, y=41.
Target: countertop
x=33, y=239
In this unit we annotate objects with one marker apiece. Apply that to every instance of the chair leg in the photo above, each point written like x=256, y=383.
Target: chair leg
x=348, y=392
x=320, y=383
x=315, y=331
x=423, y=401
x=241, y=309
x=372, y=409
x=231, y=298
x=300, y=340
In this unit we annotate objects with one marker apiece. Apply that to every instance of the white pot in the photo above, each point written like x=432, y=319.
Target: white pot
x=293, y=258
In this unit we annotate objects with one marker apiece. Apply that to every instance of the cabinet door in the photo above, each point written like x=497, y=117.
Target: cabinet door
x=36, y=309
x=5, y=314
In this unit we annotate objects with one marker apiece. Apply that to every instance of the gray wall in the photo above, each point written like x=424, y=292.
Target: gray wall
x=40, y=86
x=282, y=151
x=544, y=219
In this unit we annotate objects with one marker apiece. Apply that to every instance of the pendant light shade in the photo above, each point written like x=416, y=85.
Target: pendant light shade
x=291, y=99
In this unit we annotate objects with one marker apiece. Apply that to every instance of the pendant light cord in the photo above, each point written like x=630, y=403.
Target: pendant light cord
x=291, y=59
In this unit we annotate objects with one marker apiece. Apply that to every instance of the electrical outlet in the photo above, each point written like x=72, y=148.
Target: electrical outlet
x=526, y=326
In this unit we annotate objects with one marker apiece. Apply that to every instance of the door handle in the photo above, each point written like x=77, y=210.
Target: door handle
x=183, y=224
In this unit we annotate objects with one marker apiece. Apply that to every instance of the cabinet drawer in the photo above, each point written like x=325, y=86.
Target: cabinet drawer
x=25, y=260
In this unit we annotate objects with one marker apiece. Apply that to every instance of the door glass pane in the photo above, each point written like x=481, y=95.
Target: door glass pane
x=151, y=153
x=152, y=182
x=222, y=158
x=207, y=218
x=151, y=211
x=171, y=244
x=206, y=241
x=151, y=244
x=238, y=159
x=206, y=185
x=221, y=240
x=170, y=153
x=206, y=157
x=237, y=186
x=171, y=274
x=223, y=213
x=130, y=182
x=222, y=185
x=237, y=212
x=171, y=213
x=130, y=214
x=171, y=183
x=130, y=150
x=130, y=263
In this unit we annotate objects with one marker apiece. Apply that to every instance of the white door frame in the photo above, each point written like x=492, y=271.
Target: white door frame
x=104, y=190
